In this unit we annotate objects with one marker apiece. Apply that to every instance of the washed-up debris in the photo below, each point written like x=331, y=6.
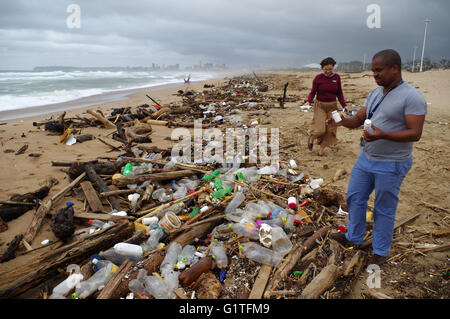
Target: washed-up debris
x=143, y=225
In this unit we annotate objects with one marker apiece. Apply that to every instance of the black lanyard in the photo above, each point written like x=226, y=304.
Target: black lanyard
x=378, y=104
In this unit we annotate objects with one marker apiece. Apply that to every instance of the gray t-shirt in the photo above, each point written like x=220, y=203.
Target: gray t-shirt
x=390, y=117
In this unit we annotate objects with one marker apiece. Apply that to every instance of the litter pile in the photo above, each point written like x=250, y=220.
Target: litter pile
x=156, y=228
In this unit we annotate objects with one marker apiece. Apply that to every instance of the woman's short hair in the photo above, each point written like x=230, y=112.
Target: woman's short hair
x=327, y=61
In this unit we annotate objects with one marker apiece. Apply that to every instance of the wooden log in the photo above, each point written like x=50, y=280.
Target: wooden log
x=26, y=272
x=304, y=278
x=441, y=233
x=38, y=217
x=377, y=294
x=351, y=264
x=261, y=282
x=157, y=122
x=101, y=118
x=94, y=178
x=336, y=254
x=91, y=196
x=11, y=251
x=164, y=176
x=296, y=253
x=323, y=281
x=115, y=280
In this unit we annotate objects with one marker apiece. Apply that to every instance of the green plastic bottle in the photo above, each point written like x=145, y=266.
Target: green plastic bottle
x=212, y=175
x=127, y=169
x=222, y=192
x=194, y=212
x=218, y=183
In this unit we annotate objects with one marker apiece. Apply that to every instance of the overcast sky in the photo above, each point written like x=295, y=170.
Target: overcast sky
x=265, y=33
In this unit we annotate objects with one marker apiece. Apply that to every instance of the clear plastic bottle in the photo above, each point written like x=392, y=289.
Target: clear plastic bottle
x=246, y=229
x=187, y=254
x=237, y=200
x=65, y=286
x=219, y=255
x=289, y=225
x=98, y=279
x=180, y=192
x=171, y=256
x=116, y=258
x=280, y=241
x=136, y=286
x=156, y=288
x=153, y=241
x=161, y=196
x=132, y=251
x=261, y=254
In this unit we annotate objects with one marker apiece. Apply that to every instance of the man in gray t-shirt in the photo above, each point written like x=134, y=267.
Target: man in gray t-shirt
x=397, y=112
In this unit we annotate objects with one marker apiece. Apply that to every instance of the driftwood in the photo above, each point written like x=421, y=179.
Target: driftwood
x=297, y=252
x=19, y=204
x=102, y=119
x=11, y=251
x=45, y=208
x=115, y=280
x=91, y=197
x=321, y=282
x=261, y=282
x=92, y=174
x=24, y=273
x=164, y=176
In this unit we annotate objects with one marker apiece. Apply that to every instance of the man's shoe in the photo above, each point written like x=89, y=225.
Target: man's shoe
x=377, y=260
x=340, y=238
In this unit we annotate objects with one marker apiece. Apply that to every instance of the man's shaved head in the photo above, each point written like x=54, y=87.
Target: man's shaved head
x=389, y=57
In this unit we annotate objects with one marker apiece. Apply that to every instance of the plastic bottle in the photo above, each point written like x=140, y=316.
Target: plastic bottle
x=190, y=184
x=160, y=195
x=273, y=222
x=336, y=116
x=132, y=251
x=261, y=254
x=150, y=220
x=65, y=286
x=367, y=124
x=180, y=192
x=156, y=288
x=98, y=279
x=250, y=174
x=191, y=274
x=219, y=255
x=171, y=256
x=268, y=170
x=136, y=286
x=212, y=175
x=289, y=225
x=118, y=259
x=280, y=241
x=128, y=170
x=187, y=254
x=246, y=229
x=222, y=192
x=153, y=241
x=95, y=223
x=237, y=200
x=218, y=183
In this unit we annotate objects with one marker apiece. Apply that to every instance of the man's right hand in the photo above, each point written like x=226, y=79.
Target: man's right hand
x=332, y=123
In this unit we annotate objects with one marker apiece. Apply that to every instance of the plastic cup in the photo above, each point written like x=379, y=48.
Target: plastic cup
x=170, y=222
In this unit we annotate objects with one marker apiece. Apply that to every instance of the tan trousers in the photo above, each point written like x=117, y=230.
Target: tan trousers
x=325, y=135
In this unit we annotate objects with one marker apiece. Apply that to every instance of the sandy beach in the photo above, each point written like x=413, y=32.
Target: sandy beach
x=426, y=185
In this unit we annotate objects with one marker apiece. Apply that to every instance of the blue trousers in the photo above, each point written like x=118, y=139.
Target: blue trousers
x=385, y=178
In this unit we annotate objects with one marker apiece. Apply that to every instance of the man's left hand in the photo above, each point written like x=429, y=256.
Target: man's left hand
x=375, y=135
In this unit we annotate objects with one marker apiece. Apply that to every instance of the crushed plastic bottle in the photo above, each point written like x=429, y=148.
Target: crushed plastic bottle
x=222, y=192
x=237, y=200
x=171, y=256
x=246, y=228
x=96, y=281
x=153, y=241
x=268, y=170
x=187, y=254
x=261, y=254
x=180, y=192
x=156, y=288
x=65, y=286
x=211, y=175
x=219, y=254
x=161, y=196
x=280, y=241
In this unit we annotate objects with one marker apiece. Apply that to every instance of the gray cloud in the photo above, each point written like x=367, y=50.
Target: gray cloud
x=248, y=32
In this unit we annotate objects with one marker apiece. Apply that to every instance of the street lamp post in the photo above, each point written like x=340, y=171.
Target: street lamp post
x=424, y=38
x=414, y=58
